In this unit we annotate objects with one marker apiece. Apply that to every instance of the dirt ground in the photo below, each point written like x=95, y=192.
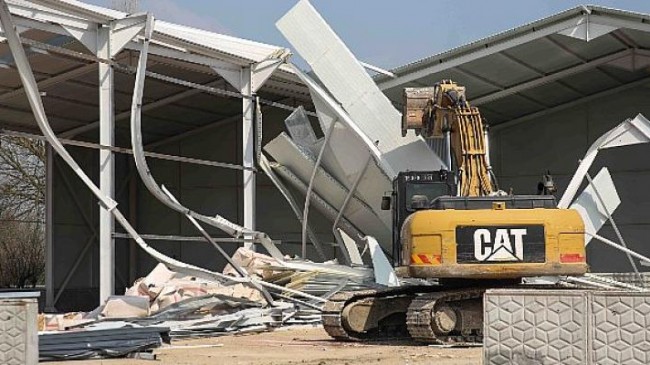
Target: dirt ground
x=297, y=346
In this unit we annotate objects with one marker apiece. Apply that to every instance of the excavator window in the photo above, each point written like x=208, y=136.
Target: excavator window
x=431, y=190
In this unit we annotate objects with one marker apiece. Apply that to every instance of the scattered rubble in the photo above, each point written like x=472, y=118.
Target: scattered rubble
x=170, y=305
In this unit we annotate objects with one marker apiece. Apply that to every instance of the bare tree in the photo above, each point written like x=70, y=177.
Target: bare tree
x=22, y=177
x=22, y=253
x=22, y=202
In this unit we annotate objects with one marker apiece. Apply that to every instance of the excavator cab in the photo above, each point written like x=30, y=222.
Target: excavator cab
x=413, y=191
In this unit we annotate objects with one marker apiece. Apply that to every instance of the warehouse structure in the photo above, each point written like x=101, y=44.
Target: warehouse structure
x=198, y=116
x=548, y=89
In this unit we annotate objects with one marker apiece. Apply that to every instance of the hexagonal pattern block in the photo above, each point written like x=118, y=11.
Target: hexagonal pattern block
x=621, y=328
x=18, y=341
x=533, y=326
x=566, y=327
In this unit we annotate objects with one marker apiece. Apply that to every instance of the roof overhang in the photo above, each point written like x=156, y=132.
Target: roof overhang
x=552, y=63
x=187, y=68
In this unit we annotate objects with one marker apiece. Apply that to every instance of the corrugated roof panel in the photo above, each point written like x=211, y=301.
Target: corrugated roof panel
x=9, y=78
x=192, y=117
x=514, y=106
x=69, y=109
x=541, y=55
x=162, y=127
x=51, y=65
x=638, y=37
x=242, y=48
x=210, y=103
x=74, y=91
x=595, y=48
x=623, y=75
x=552, y=94
x=502, y=71
x=589, y=82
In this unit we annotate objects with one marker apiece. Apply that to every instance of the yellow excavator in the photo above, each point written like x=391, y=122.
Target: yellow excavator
x=455, y=229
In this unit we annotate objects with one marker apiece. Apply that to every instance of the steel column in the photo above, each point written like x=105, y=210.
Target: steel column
x=248, y=151
x=106, y=167
x=49, y=259
x=133, y=218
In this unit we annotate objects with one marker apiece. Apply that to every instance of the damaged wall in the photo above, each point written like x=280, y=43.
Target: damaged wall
x=523, y=152
x=206, y=189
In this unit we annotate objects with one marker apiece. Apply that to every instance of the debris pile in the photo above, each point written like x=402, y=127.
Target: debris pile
x=170, y=305
x=102, y=342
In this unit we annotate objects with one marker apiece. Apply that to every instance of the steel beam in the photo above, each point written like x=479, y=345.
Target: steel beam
x=553, y=109
x=344, y=206
x=49, y=224
x=133, y=218
x=106, y=167
x=310, y=187
x=36, y=102
x=248, y=150
x=266, y=167
x=51, y=81
x=489, y=49
x=145, y=173
x=551, y=77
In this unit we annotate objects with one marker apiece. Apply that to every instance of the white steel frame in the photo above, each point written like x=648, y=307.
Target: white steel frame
x=105, y=35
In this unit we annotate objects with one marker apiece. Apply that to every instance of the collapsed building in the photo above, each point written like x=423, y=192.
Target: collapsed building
x=152, y=111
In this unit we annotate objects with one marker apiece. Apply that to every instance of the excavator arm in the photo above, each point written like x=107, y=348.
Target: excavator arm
x=442, y=111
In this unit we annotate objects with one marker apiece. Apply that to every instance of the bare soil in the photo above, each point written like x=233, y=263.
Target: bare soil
x=296, y=346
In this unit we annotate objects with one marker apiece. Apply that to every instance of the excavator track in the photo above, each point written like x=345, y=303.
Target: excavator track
x=447, y=317
x=333, y=312
x=427, y=312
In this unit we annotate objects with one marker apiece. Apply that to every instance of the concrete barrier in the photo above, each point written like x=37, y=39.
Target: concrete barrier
x=566, y=327
x=19, y=328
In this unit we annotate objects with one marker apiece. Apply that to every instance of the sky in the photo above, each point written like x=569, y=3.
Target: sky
x=385, y=33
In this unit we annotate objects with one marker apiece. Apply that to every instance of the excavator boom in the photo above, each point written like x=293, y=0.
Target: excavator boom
x=442, y=111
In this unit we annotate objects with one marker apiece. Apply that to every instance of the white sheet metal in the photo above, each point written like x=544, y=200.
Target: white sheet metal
x=347, y=139
x=287, y=153
x=323, y=206
x=384, y=273
x=265, y=165
x=351, y=247
x=629, y=132
x=345, y=78
x=300, y=128
x=588, y=204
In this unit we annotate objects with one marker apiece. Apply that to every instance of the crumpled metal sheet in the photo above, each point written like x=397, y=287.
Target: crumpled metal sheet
x=324, y=207
x=589, y=205
x=301, y=163
x=111, y=342
x=346, y=79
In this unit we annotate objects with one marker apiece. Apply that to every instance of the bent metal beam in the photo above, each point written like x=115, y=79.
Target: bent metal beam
x=147, y=178
x=36, y=103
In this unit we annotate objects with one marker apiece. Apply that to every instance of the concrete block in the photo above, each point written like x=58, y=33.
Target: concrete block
x=527, y=326
x=18, y=330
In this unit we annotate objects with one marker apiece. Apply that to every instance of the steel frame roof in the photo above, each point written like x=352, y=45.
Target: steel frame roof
x=546, y=65
x=59, y=38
